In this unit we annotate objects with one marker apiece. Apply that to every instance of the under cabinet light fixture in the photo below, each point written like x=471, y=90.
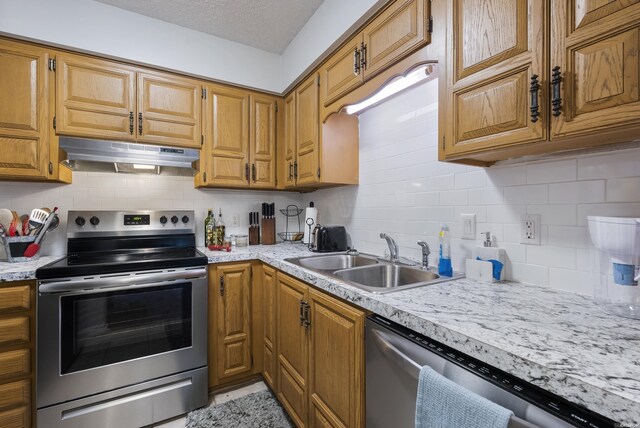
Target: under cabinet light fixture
x=416, y=76
x=141, y=166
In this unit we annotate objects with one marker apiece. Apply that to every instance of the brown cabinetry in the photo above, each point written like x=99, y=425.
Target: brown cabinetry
x=508, y=95
x=28, y=148
x=240, y=139
x=229, y=323
x=320, y=351
x=269, y=290
x=289, y=150
x=307, y=135
x=17, y=346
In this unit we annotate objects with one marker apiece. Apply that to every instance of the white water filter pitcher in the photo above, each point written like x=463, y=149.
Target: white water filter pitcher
x=615, y=262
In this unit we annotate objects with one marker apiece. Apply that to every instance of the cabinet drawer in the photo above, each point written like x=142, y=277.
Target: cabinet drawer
x=15, y=394
x=15, y=298
x=14, y=363
x=14, y=330
x=16, y=418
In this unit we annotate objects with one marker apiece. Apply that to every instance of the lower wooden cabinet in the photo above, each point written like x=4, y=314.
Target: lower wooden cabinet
x=320, y=364
x=269, y=289
x=17, y=351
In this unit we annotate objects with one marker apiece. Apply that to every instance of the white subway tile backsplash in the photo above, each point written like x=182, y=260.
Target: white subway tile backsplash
x=531, y=194
x=623, y=189
x=568, y=236
x=621, y=210
x=506, y=176
x=620, y=164
x=470, y=180
x=454, y=197
x=552, y=172
x=488, y=196
x=528, y=273
x=563, y=215
x=571, y=280
x=577, y=192
x=551, y=256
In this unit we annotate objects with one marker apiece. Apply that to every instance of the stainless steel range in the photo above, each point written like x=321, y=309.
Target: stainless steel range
x=122, y=322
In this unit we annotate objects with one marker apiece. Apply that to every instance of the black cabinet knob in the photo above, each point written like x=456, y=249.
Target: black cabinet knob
x=185, y=219
x=163, y=220
x=80, y=221
x=174, y=219
x=94, y=220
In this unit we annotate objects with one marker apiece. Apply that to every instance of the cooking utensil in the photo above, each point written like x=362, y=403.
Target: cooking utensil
x=24, y=222
x=12, y=228
x=6, y=217
x=38, y=217
x=54, y=223
x=34, y=247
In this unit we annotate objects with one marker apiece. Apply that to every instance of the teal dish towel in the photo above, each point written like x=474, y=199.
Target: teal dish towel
x=442, y=403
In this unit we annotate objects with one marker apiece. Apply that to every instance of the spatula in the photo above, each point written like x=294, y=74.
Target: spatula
x=34, y=247
x=38, y=217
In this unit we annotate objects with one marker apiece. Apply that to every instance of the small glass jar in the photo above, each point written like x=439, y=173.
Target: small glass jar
x=240, y=240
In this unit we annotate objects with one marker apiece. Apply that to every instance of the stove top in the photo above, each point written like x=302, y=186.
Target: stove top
x=126, y=241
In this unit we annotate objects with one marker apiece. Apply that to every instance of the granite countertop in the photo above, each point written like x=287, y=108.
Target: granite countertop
x=560, y=341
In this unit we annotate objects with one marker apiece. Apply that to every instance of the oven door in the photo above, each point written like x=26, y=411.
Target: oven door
x=102, y=333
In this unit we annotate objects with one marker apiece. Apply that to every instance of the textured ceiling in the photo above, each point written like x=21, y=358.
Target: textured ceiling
x=265, y=24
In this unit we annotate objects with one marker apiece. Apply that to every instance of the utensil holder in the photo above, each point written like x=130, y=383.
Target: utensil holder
x=14, y=247
x=268, y=231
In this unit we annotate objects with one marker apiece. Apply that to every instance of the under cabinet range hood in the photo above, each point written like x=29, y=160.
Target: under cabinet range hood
x=126, y=157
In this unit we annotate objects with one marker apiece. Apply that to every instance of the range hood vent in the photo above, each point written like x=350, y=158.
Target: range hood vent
x=80, y=149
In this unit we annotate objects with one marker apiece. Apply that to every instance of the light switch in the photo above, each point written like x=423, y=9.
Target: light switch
x=468, y=226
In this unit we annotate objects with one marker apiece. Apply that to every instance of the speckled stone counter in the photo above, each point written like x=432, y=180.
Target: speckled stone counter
x=25, y=270
x=559, y=341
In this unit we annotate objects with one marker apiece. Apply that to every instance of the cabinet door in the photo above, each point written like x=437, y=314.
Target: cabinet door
x=307, y=131
x=226, y=151
x=342, y=72
x=290, y=140
x=168, y=110
x=595, y=44
x=94, y=98
x=398, y=31
x=336, y=363
x=262, y=145
x=292, y=348
x=230, y=355
x=269, y=290
x=24, y=111
x=498, y=46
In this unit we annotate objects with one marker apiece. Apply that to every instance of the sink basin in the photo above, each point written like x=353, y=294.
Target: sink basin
x=386, y=276
x=335, y=262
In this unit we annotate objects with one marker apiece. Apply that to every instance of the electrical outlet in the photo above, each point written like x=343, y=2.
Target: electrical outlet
x=235, y=220
x=468, y=226
x=530, y=229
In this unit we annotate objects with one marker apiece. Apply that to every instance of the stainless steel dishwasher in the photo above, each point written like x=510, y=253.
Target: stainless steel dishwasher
x=395, y=355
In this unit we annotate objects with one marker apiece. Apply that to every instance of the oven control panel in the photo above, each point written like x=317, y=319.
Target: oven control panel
x=118, y=222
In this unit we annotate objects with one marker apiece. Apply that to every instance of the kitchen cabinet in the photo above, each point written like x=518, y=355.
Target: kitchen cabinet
x=27, y=143
x=342, y=71
x=318, y=153
x=509, y=95
x=230, y=352
x=269, y=284
x=240, y=139
x=17, y=346
x=320, y=357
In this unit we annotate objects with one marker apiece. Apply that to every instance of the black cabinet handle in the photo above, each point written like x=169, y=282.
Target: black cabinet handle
x=221, y=285
x=140, y=123
x=302, y=312
x=131, y=122
x=556, y=100
x=295, y=169
x=290, y=170
x=363, y=56
x=253, y=172
x=356, y=61
x=246, y=171
x=307, y=316
x=535, y=108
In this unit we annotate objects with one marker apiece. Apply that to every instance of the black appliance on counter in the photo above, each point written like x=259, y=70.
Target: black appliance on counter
x=122, y=322
x=328, y=239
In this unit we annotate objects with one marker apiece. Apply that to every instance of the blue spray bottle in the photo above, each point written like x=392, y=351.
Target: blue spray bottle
x=444, y=263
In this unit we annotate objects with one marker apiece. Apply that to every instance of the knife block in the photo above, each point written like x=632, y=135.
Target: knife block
x=254, y=235
x=268, y=231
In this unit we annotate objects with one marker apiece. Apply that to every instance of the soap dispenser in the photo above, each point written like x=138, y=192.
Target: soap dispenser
x=487, y=263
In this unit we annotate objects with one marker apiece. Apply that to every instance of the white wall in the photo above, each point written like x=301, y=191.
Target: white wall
x=91, y=191
x=107, y=30
x=406, y=192
x=329, y=22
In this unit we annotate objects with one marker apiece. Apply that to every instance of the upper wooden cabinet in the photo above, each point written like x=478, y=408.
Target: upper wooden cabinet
x=508, y=95
x=342, y=71
x=95, y=98
x=307, y=135
x=240, y=139
x=289, y=162
x=169, y=110
x=28, y=146
x=105, y=99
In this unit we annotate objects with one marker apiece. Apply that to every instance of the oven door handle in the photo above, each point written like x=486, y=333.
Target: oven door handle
x=130, y=281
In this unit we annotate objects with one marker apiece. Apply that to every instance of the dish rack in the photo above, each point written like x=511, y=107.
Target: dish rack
x=290, y=212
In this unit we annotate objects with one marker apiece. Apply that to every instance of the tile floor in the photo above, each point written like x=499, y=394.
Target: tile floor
x=180, y=422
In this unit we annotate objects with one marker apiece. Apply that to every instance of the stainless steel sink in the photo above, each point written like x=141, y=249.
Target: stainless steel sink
x=371, y=273
x=334, y=262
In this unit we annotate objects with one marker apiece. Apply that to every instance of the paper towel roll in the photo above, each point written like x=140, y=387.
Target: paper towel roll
x=310, y=213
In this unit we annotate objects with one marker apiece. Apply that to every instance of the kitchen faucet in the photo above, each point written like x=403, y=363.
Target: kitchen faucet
x=425, y=254
x=394, y=255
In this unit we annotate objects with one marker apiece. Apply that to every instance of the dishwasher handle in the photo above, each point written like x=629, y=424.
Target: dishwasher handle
x=413, y=369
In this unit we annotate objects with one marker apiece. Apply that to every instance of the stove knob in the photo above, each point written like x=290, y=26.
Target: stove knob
x=163, y=220
x=185, y=219
x=174, y=219
x=94, y=220
x=80, y=221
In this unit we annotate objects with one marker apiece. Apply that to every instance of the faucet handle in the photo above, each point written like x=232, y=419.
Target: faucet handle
x=423, y=244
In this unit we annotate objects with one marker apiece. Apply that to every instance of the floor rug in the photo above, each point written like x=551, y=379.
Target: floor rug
x=257, y=410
